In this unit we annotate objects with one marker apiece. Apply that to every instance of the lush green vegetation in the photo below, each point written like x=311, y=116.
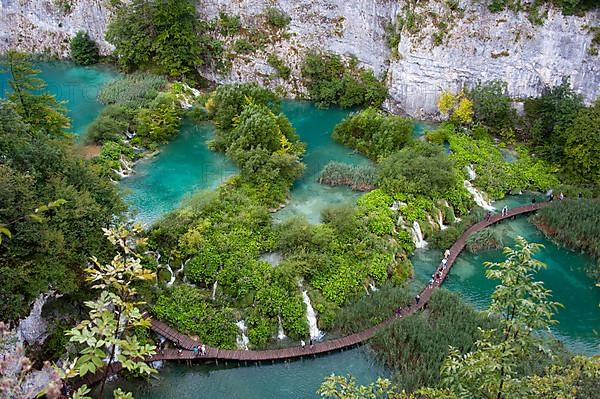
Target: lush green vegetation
x=493, y=107
x=360, y=178
x=135, y=90
x=84, y=50
x=489, y=357
x=283, y=71
x=157, y=33
x=574, y=223
x=331, y=81
x=374, y=133
x=536, y=10
x=38, y=167
x=277, y=18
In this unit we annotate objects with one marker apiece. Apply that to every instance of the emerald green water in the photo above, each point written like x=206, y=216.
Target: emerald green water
x=78, y=86
x=183, y=167
x=579, y=320
x=297, y=379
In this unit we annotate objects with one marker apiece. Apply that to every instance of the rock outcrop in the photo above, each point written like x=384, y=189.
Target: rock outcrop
x=447, y=50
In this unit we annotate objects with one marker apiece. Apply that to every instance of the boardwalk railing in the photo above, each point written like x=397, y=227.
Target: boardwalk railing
x=187, y=344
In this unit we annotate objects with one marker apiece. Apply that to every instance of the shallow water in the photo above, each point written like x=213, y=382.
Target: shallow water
x=579, y=320
x=183, y=167
x=77, y=85
x=296, y=379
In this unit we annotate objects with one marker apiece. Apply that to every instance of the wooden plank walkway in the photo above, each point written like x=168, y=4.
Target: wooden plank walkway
x=187, y=344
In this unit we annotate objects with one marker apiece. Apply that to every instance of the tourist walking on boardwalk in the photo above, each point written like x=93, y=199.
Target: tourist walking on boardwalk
x=196, y=350
x=203, y=350
x=418, y=299
x=302, y=343
x=504, y=210
x=447, y=254
x=488, y=216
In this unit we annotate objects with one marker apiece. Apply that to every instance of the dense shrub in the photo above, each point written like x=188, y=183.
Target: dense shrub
x=136, y=90
x=243, y=46
x=159, y=122
x=331, y=82
x=360, y=178
x=283, y=71
x=582, y=147
x=492, y=106
x=418, y=169
x=277, y=18
x=113, y=121
x=374, y=133
x=229, y=25
x=84, y=50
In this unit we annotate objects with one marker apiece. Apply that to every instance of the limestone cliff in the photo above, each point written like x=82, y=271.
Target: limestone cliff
x=446, y=49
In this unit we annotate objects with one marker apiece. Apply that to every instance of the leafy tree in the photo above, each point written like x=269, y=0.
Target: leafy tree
x=111, y=124
x=418, y=169
x=492, y=106
x=547, y=118
x=582, y=147
x=160, y=121
x=161, y=32
x=84, y=50
x=374, y=133
x=38, y=109
x=457, y=107
x=111, y=332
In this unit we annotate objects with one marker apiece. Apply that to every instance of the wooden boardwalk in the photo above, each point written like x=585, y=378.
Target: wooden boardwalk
x=187, y=343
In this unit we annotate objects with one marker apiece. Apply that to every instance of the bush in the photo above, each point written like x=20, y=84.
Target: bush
x=111, y=124
x=330, y=82
x=283, y=71
x=277, y=18
x=374, y=133
x=229, y=25
x=159, y=122
x=492, y=106
x=84, y=50
x=136, y=90
x=360, y=178
x=243, y=46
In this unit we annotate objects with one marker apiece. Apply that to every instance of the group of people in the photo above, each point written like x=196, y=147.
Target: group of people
x=303, y=344
x=439, y=272
x=198, y=350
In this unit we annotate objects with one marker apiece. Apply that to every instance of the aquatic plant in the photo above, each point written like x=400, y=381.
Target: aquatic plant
x=357, y=177
x=136, y=89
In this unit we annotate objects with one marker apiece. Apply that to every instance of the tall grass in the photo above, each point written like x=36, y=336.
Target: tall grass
x=575, y=224
x=484, y=239
x=137, y=89
x=360, y=178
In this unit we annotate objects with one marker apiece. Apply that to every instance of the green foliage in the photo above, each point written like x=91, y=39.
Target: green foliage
x=371, y=310
x=283, y=71
x=135, y=90
x=84, y=50
x=360, y=178
x=418, y=169
x=111, y=124
x=548, y=117
x=162, y=33
x=189, y=311
x=38, y=109
x=582, y=147
x=159, y=122
x=229, y=25
x=483, y=240
x=575, y=224
x=110, y=158
x=496, y=176
x=277, y=18
x=37, y=169
x=243, y=46
x=458, y=107
x=114, y=317
x=568, y=7
x=414, y=347
x=331, y=82
x=492, y=106
x=374, y=133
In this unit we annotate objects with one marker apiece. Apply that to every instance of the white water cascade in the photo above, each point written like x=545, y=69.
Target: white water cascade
x=471, y=172
x=125, y=169
x=440, y=220
x=214, y=290
x=172, y=279
x=372, y=287
x=242, y=339
x=478, y=196
x=280, y=333
x=311, y=317
x=417, y=235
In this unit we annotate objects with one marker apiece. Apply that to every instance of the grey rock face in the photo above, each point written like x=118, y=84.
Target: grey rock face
x=477, y=46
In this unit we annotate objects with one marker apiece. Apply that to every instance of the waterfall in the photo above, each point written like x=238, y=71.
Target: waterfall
x=440, y=220
x=214, y=290
x=125, y=169
x=478, y=196
x=311, y=317
x=280, y=333
x=418, y=236
x=172, y=279
x=471, y=172
x=242, y=340
x=372, y=287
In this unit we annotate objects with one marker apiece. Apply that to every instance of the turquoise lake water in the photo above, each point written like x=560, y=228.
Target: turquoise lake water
x=78, y=86
x=185, y=165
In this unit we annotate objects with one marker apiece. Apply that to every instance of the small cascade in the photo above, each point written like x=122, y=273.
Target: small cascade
x=242, y=339
x=372, y=287
x=125, y=169
x=280, y=333
x=431, y=222
x=400, y=221
x=214, y=290
x=311, y=317
x=478, y=196
x=440, y=220
x=173, y=276
x=417, y=235
x=471, y=172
